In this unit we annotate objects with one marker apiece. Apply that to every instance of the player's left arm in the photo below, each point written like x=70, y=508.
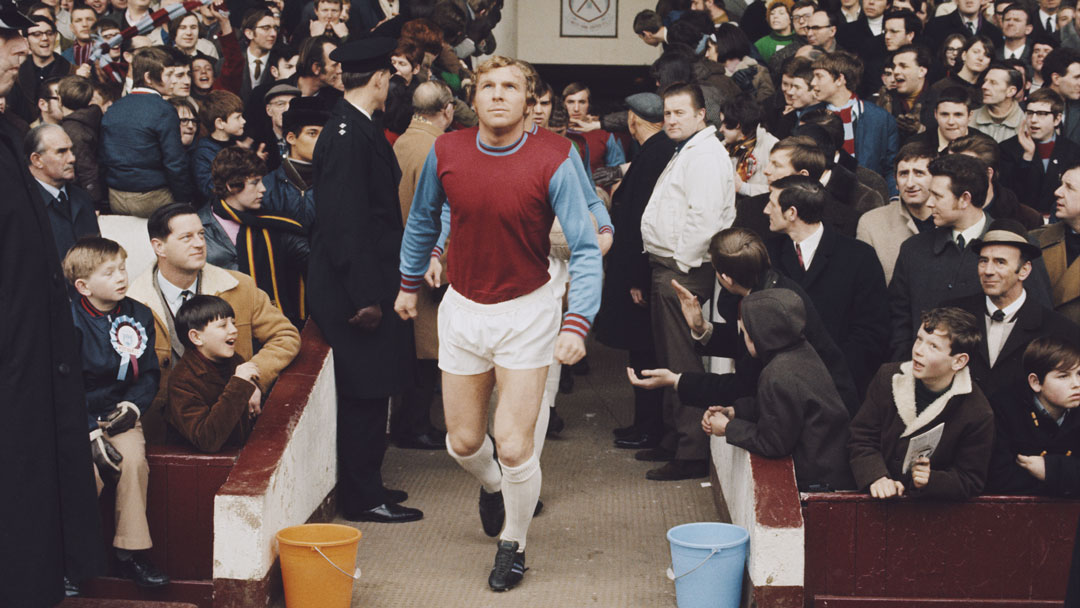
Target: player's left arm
x=614, y=155
x=569, y=202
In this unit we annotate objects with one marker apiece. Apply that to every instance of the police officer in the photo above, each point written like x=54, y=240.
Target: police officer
x=52, y=528
x=353, y=278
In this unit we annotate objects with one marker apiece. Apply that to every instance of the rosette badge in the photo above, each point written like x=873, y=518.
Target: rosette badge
x=128, y=338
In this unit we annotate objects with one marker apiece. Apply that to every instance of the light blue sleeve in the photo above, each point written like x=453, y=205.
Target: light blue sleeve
x=596, y=206
x=440, y=245
x=570, y=203
x=614, y=155
x=424, y=226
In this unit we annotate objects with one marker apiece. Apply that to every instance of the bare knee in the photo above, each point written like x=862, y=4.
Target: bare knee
x=465, y=443
x=514, y=450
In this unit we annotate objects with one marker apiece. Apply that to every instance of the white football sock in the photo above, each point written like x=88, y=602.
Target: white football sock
x=481, y=464
x=521, y=489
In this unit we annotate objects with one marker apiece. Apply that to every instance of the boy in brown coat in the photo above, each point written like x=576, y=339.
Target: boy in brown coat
x=213, y=395
x=907, y=399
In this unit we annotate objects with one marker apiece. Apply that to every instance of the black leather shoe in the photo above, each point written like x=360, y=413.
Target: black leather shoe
x=655, y=455
x=677, y=470
x=431, y=440
x=625, y=431
x=642, y=441
x=71, y=588
x=387, y=514
x=395, y=496
x=509, y=567
x=140, y=569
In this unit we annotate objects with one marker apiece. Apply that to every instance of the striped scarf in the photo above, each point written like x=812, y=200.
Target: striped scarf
x=848, y=113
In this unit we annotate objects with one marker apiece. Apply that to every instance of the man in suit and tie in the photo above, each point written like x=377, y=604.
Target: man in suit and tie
x=1060, y=244
x=1061, y=72
x=967, y=19
x=261, y=31
x=1046, y=18
x=52, y=163
x=1015, y=28
x=1011, y=320
x=1033, y=159
x=841, y=275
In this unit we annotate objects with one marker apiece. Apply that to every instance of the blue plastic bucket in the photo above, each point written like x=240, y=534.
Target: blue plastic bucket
x=707, y=561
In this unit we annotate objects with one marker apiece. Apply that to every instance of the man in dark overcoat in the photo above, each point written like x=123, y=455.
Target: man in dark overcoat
x=353, y=278
x=50, y=526
x=623, y=321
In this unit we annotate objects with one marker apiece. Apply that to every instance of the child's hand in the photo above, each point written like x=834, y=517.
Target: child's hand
x=886, y=488
x=653, y=378
x=1035, y=465
x=920, y=472
x=248, y=371
x=255, y=403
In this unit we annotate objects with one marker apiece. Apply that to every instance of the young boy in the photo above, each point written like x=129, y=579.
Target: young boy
x=907, y=400
x=213, y=397
x=796, y=411
x=120, y=374
x=1037, y=445
x=222, y=115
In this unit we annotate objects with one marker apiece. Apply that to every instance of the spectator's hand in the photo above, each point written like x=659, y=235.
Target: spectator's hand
x=224, y=26
x=84, y=70
x=248, y=371
x=261, y=152
x=718, y=423
x=341, y=29
x=908, y=123
x=706, y=420
x=920, y=472
x=317, y=28
x=638, y=297
x=606, y=240
x=433, y=276
x=105, y=456
x=691, y=308
x=1035, y=465
x=122, y=418
x=255, y=403
x=886, y=488
x=569, y=348
x=367, y=318
x=1023, y=135
x=653, y=378
x=590, y=123
x=405, y=305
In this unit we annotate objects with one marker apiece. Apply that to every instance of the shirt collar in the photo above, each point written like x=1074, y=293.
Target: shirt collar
x=973, y=232
x=808, y=246
x=1042, y=410
x=172, y=292
x=361, y=110
x=1010, y=310
x=145, y=90
x=54, y=192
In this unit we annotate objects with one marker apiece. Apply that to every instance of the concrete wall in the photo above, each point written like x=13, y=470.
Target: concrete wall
x=306, y=471
x=530, y=31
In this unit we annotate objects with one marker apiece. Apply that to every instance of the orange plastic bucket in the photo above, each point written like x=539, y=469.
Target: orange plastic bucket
x=317, y=562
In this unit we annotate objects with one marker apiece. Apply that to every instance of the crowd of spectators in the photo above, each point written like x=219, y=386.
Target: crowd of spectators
x=887, y=194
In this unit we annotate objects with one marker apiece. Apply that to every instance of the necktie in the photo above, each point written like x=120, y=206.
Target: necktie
x=63, y=203
x=258, y=69
x=971, y=26
x=960, y=241
x=1050, y=24
x=798, y=253
x=185, y=296
x=998, y=316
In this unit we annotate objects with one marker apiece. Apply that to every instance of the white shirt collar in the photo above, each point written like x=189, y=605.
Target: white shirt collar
x=1015, y=54
x=973, y=232
x=809, y=245
x=1010, y=310
x=1043, y=16
x=362, y=110
x=54, y=192
x=172, y=292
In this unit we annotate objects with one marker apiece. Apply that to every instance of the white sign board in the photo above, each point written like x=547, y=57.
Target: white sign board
x=589, y=18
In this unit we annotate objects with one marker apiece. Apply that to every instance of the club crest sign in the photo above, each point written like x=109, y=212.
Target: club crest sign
x=589, y=18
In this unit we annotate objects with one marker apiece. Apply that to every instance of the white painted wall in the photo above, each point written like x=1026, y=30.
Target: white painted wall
x=244, y=526
x=532, y=34
x=776, y=556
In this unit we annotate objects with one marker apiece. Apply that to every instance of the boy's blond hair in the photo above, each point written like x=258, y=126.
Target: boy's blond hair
x=87, y=254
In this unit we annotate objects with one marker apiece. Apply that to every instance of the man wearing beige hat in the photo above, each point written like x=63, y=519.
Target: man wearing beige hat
x=1010, y=319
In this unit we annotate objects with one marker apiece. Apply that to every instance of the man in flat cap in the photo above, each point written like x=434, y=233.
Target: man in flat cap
x=499, y=324
x=47, y=456
x=624, y=320
x=1011, y=319
x=352, y=278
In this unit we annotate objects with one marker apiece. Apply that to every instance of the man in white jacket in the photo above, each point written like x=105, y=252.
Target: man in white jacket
x=693, y=200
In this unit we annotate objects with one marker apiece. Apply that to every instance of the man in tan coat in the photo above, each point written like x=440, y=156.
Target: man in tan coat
x=181, y=271
x=410, y=420
x=1060, y=244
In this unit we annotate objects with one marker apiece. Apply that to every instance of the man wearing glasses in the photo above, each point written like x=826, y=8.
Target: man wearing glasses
x=1034, y=159
x=821, y=30
x=260, y=28
x=44, y=64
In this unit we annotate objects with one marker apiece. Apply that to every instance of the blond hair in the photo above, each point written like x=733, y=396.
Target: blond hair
x=527, y=72
x=87, y=254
